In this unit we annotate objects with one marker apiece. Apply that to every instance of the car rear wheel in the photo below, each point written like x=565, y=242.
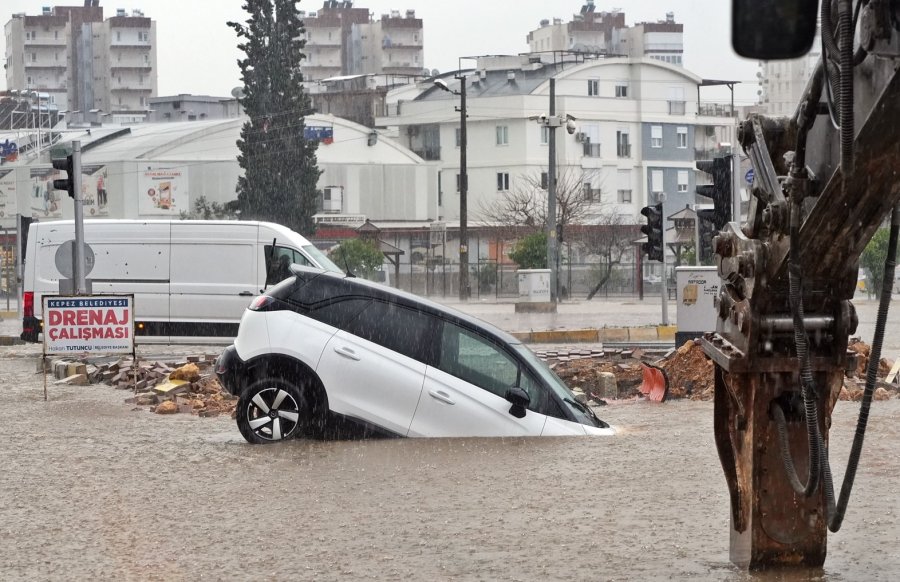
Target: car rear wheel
x=272, y=410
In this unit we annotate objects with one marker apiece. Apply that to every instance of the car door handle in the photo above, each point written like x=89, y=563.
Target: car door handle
x=346, y=352
x=442, y=396
x=245, y=294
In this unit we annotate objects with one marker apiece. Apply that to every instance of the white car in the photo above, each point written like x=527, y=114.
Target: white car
x=321, y=347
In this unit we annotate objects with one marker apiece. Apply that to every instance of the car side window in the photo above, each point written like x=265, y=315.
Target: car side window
x=338, y=313
x=476, y=360
x=401, y=329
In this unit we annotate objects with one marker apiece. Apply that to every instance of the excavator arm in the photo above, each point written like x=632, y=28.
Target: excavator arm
x=788, y=276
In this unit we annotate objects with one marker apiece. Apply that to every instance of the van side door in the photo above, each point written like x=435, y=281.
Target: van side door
x=213, y=277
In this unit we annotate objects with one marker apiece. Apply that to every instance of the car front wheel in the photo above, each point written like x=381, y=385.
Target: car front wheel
x=271, y=410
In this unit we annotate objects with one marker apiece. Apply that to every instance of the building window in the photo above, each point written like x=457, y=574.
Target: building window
x=143, y=101
x=624, y=196
x=545, y=135
x=502, y=135
x=140, y=79
x=143, y=36
x=655, y=136
x=681, y=141
x=502, y=181
x=458, y=137
x=656, y=184
x=621, y=89
x=682, y=181
x=118, y=35
x=146, y=59
x=593, y=87
x=33, y=57
x=623, y=147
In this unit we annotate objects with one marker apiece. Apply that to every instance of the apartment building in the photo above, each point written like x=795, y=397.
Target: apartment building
x=782, y=82
x=605, y=33
x=639, y=131
x=344, y=40
x=88, y=65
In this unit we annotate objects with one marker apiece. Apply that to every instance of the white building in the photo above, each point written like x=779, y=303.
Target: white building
x=87, y=65
x=782, y=82
x=605, y=33
x=124, y=169
x=639, y=131
x=344, y=40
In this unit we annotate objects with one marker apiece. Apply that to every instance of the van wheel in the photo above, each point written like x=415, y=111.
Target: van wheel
x=271, y=410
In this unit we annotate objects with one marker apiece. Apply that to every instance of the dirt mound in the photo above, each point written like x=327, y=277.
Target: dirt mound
x=691, y=374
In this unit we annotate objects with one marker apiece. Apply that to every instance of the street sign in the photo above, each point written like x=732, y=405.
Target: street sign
x=98, y=324
x=749, y=176
x=65, y=255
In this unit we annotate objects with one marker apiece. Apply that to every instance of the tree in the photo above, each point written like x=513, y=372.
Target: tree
x=358, y=256
x=526, y=204
x=279, y=163
x=531, y=251
x=610, y=240
x=873, y=258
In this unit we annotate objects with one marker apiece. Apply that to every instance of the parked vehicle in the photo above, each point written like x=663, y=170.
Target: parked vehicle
x=191, y=279
x=321, y=347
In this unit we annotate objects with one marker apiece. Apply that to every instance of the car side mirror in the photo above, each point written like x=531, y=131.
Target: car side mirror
x=520, y=401
x=773, y=29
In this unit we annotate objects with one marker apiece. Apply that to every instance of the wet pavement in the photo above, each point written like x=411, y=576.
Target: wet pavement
x=92, y=489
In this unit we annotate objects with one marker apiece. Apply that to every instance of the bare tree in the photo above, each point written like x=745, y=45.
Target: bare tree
x=525, y=205
x=611, y=239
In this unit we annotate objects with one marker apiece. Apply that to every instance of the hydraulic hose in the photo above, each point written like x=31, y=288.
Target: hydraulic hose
x=807, y=385
x=836, y=514
x=845, y=37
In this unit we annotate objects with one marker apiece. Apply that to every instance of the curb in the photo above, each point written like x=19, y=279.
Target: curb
x=593, y=335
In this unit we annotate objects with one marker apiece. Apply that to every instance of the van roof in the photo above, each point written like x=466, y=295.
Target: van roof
x=279, y=228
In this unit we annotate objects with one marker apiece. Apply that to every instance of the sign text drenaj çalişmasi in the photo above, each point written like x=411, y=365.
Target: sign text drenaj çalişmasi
x=89, y=324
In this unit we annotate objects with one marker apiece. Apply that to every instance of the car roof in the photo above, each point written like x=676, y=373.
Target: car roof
x=393, y=295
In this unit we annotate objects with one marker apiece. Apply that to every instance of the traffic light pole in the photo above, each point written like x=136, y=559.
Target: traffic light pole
x=80, y=285
x=552, y=242
x=664, y=281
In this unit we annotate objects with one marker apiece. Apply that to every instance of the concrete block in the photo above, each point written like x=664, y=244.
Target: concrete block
x=613, y=334
x=643, y=334
x=74, y=380
x=609, y=388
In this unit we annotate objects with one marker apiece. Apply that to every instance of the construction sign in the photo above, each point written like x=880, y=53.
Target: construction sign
x=98, y=324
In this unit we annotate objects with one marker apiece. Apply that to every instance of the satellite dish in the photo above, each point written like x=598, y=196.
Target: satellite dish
x=237, y=92
x=435, y=72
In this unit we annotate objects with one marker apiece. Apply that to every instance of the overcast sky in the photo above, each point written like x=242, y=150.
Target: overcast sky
x=197, y=51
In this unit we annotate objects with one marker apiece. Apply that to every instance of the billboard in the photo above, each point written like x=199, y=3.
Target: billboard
x=163, y=191
x=45, y=201
x=93, y=191
x=7, y=194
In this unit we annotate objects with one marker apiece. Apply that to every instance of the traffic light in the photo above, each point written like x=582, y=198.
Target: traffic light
x=67, y=165
x=720, y=189
x=707, y=231
x=654, y=231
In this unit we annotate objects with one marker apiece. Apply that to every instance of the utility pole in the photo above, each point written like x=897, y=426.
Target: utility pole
x=552, y=250
x=463, y=195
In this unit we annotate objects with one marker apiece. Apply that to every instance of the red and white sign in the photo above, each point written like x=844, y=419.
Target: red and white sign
x=98, y=324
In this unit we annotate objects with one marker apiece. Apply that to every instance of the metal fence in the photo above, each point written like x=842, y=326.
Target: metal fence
x=488, y=279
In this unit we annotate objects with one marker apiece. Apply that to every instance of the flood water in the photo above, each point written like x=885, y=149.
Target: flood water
x=91, y=489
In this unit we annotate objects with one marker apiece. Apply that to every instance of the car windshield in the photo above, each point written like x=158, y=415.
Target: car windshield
x=582, y=412
x=322, y=259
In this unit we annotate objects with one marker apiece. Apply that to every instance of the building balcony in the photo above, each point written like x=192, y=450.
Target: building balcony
x=130, y=88
x=716, y=110
x=591, y=150
x=45, y=42
x=40, y=65
x=411, y=45
x=430, y=154
x=130, y=67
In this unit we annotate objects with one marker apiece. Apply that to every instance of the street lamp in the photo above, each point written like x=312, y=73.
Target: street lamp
x=463, y=185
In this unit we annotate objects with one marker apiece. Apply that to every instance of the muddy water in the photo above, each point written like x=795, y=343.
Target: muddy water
x=92, y=489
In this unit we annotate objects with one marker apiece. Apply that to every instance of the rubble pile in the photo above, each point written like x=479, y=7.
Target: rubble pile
x=690, y=373
x=170, y=387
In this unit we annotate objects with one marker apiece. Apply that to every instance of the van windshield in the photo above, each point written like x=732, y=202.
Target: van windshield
x=320, y=258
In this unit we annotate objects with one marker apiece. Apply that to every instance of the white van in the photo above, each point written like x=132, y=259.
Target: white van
x=191, y=279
